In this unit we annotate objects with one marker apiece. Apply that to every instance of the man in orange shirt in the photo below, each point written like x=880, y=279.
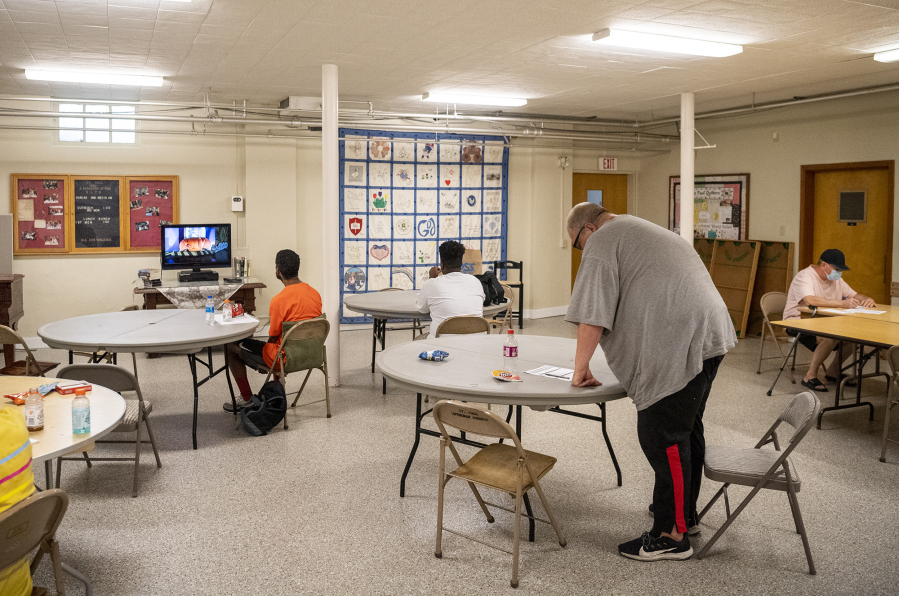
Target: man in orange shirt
x=298, y=301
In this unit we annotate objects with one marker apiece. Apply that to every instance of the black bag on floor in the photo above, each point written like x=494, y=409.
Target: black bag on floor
x=493, y=290
x=266, y=410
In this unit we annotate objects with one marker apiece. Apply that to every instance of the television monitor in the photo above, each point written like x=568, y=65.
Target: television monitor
x=194, y=246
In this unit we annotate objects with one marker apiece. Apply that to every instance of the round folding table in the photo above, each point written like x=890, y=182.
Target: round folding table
x=157, y=331
x=384, y=306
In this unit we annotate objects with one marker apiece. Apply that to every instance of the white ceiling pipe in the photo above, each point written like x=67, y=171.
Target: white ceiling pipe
x=776, y=104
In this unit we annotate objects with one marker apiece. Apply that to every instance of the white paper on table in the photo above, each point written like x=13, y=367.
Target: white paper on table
x=850, y=311
x=33, y=441
x=219, y=320
x=552, y=372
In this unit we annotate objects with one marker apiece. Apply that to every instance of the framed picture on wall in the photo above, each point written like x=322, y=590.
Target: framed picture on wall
x=720, y=206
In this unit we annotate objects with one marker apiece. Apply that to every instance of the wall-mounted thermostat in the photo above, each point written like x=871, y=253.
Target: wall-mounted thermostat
x=236, y=203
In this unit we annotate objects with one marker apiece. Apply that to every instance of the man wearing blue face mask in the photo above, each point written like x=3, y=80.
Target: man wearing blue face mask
x=822, y=285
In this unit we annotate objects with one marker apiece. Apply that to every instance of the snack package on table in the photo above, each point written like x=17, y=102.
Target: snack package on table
x=509, y=377
x=434, y=355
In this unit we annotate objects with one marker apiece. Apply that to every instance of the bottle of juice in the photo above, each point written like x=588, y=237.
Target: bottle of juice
x=34, y=410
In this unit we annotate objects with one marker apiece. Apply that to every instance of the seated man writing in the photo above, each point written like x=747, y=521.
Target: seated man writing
x=453, y=294
x=298, y=301
x=822, y=285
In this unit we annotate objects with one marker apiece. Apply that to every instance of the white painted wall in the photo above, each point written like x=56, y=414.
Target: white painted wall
x=849, y=130
x=281, y=180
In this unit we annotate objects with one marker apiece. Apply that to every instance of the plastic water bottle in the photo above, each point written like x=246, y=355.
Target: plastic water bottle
x=210, y=311
x=34, y=410
x=510, y=353
x=81, y=412
x=227, y=313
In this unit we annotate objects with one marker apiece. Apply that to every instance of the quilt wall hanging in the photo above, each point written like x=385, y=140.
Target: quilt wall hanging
x=402, y=194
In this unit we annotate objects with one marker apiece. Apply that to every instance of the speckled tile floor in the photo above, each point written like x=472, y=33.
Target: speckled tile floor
x=316, y=509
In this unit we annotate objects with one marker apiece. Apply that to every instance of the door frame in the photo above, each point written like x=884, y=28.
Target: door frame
x=807, y=204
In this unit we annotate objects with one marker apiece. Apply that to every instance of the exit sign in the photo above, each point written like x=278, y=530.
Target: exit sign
x=608, y=163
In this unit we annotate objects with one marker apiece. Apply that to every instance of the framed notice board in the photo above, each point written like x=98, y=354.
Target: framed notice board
x=152, y=201
x=40, y=205
x=72, y=214
x=95, y=219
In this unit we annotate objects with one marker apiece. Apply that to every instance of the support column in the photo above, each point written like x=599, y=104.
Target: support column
x=686, y=166
x=331, y=219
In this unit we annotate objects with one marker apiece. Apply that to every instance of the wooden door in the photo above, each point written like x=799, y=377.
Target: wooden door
x=868, y=245
x=614, y=198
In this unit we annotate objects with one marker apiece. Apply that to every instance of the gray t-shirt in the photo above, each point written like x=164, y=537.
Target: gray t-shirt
x=661, y=312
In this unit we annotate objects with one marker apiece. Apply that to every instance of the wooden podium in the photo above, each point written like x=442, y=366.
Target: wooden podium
x=11, y=309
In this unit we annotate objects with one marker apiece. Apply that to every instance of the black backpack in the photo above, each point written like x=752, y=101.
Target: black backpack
x=266, y=410
x=493, y=290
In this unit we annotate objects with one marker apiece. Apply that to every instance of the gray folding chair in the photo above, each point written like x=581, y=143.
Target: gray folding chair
x=30, y=367
x=31, y=524
x=136, y=411
x=892, y=399
x=763, y=468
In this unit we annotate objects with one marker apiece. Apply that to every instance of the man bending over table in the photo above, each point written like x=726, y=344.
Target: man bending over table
x=822, y=285
x=453, y=294
x=298, y=301
x=644, y=292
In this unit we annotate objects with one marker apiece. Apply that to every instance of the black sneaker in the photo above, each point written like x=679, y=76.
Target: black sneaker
x=647, y=548
x=692, y=525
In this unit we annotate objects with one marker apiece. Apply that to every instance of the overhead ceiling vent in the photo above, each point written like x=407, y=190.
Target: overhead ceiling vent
x=296, y=102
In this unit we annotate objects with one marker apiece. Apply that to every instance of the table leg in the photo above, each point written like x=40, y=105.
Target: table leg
x=230, y=387
x=859, y=366
x=527, y=501
x=605, y=435
x=521, y=306
x=193, y=371
x=414, y=445
x=48, y=473
x=374, y=342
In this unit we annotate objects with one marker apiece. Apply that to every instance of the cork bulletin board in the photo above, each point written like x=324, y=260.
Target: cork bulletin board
x=72, y=214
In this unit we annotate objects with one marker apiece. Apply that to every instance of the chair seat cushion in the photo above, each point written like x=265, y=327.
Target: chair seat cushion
x=496, y=466
x=746, y=467
x=17, y=368
x=132, y=414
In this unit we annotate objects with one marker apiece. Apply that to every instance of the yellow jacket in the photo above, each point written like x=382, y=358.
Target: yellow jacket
x=16, y=483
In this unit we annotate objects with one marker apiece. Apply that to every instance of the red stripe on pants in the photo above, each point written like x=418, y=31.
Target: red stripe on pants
x=677, y=478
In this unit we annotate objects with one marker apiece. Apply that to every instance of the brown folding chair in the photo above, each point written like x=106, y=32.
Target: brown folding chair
x=31, y=524
x=302, y=348
x=30, y=367
x=892, y=399
x=763, y=468
x=416, y=326
x=463, y=325
x=137, y=412
x=504, y=322
x=507, y=468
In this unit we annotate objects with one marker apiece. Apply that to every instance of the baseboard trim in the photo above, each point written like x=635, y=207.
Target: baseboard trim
x=543, y=313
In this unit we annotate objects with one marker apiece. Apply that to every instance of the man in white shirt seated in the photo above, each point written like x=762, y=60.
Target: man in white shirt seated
x=452, y=294
x=822, y=285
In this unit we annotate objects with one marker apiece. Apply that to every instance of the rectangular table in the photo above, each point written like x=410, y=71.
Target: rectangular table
x=890, y=316
x=852, y=328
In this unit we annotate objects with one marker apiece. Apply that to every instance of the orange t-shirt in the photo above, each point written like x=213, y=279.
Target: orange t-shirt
x=296, y=302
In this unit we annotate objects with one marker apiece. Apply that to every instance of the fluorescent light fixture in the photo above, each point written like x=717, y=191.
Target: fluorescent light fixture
x=888, y=56
x=96, y=78
x=480, y=100
x=665, y=43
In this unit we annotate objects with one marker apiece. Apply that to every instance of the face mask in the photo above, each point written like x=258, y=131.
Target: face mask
x=834, y=275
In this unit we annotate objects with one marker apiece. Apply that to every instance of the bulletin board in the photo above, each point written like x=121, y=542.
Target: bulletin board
x=40, y=205
x=720, y=206
x=72, y=214
x=402, y=194
x=152, y=203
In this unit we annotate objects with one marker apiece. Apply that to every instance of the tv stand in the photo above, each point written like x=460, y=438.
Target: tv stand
x=198, y=275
